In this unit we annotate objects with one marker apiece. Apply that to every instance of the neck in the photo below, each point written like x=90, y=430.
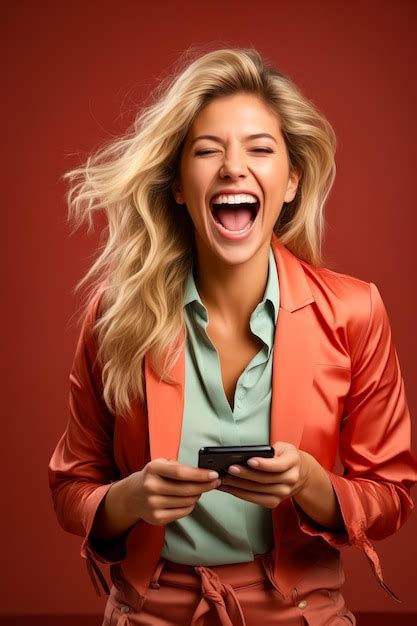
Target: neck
x=230, y=293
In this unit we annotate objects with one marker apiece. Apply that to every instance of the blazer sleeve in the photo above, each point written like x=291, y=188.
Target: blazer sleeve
x=374, y=446
x=82, y=467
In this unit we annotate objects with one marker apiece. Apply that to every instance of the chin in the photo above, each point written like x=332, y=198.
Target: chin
x=237, y=254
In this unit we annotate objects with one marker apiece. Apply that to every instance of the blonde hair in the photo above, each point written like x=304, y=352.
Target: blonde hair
x=149, y=248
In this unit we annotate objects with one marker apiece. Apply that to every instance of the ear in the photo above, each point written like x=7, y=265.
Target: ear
x=177, y=192
x=293, y=180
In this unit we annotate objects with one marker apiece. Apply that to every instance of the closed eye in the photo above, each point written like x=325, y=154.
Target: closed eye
x=205, y=152
x=202, y=152
x=263, y=150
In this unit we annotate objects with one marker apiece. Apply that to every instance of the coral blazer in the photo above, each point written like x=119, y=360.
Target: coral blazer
x=337, y=388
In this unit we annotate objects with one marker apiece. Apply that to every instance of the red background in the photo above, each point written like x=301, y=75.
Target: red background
x=75, y=74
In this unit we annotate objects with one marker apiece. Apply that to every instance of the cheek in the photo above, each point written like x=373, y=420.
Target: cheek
x=195, y=192
x=274, y=207
x=275, y=186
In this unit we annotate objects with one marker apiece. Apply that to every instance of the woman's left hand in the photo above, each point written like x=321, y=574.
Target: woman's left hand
x=272, y=480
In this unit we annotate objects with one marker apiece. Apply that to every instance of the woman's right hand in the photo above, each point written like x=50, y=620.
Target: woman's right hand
x=165, y=490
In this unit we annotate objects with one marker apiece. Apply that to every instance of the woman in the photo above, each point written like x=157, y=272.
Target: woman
x=212, y=322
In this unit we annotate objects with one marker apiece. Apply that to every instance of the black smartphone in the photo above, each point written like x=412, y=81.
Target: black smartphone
x=219, y=458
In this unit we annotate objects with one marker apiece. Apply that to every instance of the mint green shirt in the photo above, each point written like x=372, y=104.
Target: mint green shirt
x=223, y=528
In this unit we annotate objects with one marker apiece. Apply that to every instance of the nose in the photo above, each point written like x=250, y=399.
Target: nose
x=234, y=165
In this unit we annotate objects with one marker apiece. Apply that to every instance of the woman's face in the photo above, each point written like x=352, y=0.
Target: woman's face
x=234, y=147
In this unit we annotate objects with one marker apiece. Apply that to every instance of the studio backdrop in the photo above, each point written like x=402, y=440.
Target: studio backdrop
x=76, y=74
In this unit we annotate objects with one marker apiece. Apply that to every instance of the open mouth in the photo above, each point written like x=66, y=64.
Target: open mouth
x=237, y=217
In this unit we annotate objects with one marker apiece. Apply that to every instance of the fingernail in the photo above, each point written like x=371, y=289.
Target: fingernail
x=253, y=462
x=233, y=469
x=213, y=475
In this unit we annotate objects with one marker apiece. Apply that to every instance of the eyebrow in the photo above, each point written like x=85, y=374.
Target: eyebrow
x=219, y=140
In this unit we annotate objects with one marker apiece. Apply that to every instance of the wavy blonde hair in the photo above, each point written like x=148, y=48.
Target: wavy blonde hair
x=149, y=247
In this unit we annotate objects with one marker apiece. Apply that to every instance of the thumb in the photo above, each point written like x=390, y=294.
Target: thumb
x=279, y=447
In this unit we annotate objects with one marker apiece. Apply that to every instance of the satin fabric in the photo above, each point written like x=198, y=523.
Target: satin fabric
x=337, y=386
x=242, y=594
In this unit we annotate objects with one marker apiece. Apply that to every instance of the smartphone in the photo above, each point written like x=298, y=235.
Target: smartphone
x=219, y=458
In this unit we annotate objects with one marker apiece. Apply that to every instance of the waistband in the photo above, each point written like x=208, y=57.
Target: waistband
x=217, y=584
x=235, y=574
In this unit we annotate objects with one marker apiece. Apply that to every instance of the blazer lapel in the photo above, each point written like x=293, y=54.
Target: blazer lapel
x=295, y=350
x=165, y=403
x=295, y=353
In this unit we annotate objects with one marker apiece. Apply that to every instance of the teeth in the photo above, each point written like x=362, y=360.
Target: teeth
x=235, y=199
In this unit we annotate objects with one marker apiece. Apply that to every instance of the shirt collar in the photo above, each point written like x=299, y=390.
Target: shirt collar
x=271, y=293
x=272, y=285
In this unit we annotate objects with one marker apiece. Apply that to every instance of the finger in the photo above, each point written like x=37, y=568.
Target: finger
x=282, y=452
x=257, y=475
x=277, y=490
x=281, y=447
x=267, y=500
x=249, y=485
x=177, y=471
x=277, y=464
x=167, y=486
x=165, y=516
x=158, y=501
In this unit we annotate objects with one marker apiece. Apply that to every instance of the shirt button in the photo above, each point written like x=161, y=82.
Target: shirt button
x=302, y=604
x=124, y=608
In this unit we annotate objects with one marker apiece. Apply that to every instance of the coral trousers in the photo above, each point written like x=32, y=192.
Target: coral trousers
x=241, y=594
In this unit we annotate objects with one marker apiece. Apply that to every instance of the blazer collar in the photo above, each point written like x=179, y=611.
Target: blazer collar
x=294, y=288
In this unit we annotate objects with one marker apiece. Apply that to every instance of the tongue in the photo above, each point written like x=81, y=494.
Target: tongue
x=234, y=219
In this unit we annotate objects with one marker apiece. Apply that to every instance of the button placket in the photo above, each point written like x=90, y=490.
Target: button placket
x=300, y=604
